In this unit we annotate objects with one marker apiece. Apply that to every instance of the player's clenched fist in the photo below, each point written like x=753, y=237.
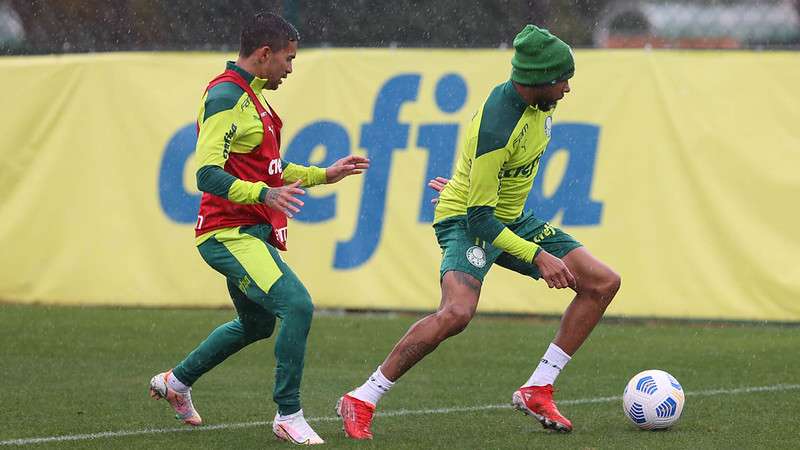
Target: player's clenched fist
x=554, y=271
x=283, y=198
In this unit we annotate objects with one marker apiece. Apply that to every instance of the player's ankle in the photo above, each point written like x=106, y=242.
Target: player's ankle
x=376, y=386
x=175, y=384
x=550, y=366
x=288, y=417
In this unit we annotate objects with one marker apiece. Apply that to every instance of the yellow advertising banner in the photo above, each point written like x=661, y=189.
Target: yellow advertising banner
x=678, y=169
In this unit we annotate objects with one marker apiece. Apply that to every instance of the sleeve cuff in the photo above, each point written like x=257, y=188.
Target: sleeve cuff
x=317, y=175
x=246, y=192
x=516, y=246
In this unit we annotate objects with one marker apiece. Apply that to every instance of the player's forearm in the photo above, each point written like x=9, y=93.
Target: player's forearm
x=310, y=175
x=515, y=245
x=482, y=223
x=215, y=180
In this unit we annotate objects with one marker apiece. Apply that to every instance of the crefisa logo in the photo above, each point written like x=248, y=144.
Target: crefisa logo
x=379, y=139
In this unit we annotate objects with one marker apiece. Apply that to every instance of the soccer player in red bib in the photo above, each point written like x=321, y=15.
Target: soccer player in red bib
x=480, y=221
x=248, y=193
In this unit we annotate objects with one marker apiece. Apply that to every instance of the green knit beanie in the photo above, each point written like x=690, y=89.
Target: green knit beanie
x=540, y=58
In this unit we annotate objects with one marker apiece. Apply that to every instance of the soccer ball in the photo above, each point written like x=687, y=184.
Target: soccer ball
x=653, y=400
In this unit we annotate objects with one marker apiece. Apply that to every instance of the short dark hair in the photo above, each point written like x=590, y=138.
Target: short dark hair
x=266, y=29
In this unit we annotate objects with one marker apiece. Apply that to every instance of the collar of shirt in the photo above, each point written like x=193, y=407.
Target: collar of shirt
x=514, y=97
x=256, y=83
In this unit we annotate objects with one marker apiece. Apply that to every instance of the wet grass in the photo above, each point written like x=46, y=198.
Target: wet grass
x=72, y=371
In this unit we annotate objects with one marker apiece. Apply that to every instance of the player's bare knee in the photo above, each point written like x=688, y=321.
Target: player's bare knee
x=607, y=287
x=455, y=318
x=601, y=288
x=614, y=284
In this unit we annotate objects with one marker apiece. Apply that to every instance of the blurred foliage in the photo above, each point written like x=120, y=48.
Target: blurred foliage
x=444, y=23
x=54, y=26
x=57, y=26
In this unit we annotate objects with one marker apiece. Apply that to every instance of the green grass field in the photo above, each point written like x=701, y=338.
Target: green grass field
x=79, y=376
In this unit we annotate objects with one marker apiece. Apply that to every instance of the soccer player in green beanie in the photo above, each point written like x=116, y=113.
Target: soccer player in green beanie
x=479, y=221
x=248, y=193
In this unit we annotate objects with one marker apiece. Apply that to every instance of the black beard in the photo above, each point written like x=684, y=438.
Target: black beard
x=546, y=106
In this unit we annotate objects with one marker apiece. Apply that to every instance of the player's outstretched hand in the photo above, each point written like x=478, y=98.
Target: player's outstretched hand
x=283, y=198
x=554, y=271
x=437, y=184
x=349, y=165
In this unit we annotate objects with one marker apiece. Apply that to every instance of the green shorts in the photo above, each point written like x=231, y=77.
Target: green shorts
x=245, y=257
x=463, y=252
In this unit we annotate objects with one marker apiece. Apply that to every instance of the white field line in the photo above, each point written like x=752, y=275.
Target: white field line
x=396, y=413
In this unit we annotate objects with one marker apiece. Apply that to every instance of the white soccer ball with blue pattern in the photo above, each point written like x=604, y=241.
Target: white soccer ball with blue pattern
x=653, y=400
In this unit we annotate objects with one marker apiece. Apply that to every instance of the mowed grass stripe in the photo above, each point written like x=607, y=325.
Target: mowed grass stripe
x=397, y=413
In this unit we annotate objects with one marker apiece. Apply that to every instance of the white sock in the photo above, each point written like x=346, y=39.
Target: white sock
x=280, y=418
x=374, y=388
x=549, y=367
x=176, y=384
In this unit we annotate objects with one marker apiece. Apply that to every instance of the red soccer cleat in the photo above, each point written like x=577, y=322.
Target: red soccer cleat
x=356, y=417
x=537, y=401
